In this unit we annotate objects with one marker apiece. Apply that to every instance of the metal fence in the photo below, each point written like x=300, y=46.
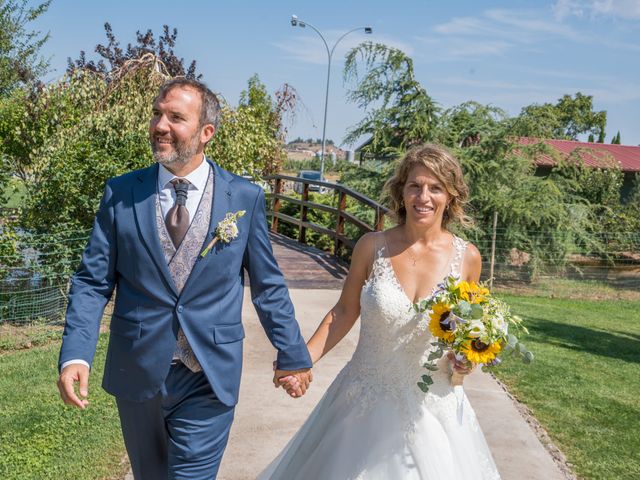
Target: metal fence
x=32, y=290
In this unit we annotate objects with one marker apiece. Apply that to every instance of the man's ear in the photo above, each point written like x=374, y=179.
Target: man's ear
x=207, y=132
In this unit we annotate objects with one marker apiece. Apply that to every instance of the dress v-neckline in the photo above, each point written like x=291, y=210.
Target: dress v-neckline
x=398, y=284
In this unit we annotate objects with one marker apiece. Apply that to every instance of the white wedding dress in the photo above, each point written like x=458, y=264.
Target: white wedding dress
x=374, y=423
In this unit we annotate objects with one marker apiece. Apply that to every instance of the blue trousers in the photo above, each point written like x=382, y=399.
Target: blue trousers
x=179, y=434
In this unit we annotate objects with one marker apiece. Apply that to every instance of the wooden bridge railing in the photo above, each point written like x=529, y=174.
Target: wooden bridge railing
x=279, y=195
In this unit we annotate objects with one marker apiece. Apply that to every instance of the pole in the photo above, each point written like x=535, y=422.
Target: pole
x=324, y=122
x=493, y=248
x=295, y=22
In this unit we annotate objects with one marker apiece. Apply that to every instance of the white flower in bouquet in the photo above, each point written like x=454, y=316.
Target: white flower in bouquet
x=476, y=329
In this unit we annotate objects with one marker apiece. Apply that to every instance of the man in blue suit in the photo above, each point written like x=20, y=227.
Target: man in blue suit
x=175, y=349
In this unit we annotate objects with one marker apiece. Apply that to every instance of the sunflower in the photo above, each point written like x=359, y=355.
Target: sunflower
x=440, y=312
x=479, y=296
x=472, y=292
x=479, y=352
x=464, y=289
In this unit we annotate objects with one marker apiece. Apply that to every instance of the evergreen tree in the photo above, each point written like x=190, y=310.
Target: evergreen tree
x=400, y=113
x=616, y=139
x=591, y=139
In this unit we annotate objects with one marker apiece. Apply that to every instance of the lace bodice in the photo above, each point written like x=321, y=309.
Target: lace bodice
x=394, y=341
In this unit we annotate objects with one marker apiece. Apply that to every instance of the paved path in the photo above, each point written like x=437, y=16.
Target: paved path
x=266, y=418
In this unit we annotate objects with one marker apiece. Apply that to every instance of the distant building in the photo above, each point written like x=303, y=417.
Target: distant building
x=306, y=150
x=595, y=155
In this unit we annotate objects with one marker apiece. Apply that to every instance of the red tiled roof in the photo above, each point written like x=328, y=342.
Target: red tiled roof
x=593, y=154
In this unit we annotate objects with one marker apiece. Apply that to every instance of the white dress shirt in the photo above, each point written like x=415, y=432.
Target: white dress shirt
x=197, y=181
x=167, y=194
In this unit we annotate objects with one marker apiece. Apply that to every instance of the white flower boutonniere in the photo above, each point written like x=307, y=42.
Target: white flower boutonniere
x=226, y=230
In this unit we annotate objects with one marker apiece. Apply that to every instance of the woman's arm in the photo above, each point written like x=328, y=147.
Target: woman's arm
x=339, y=320
x=471, y=269
x=471, y=264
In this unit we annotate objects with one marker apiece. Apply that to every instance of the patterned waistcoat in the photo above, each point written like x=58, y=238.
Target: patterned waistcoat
x=182, y=259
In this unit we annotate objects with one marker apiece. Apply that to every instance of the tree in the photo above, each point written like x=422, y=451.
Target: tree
x=403, y=114
x=20, y=60
x=250, y=139
x=468, y=123
x=616, y=139
x=146, y=43
x=591, y=138
x=569, y=117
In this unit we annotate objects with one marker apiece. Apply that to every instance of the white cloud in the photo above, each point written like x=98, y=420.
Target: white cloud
x=531, y=22
x=496, y=32
x=625, y=9
x=455, y=48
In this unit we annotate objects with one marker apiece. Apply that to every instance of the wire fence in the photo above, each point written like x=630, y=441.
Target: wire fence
x=34, y=279
x=35, y=270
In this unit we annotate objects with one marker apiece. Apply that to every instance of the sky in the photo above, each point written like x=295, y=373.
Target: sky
x=505, y=53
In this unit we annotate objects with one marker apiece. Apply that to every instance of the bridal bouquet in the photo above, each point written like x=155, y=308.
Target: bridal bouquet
x=467, y=320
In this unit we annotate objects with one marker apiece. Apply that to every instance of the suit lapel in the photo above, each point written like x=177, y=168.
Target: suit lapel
x=222, y=195
x=144, y=201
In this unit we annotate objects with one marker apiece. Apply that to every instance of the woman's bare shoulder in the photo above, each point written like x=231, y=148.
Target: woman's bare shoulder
x=472, y=262
x=366, y=246
x=472, y=253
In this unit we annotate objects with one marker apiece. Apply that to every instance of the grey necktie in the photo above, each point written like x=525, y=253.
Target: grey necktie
x=177, y=219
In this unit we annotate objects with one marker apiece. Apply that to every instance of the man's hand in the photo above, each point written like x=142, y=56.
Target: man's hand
x=295, y=382
x=68, y=377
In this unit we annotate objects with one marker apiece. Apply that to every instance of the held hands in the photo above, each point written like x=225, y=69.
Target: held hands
x=295, y=382
x=68, y=377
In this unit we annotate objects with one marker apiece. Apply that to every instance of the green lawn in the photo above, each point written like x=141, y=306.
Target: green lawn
x=584, y=386
x=40, y=437
x=16, y=193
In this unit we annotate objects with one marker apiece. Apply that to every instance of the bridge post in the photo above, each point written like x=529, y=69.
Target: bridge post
x=379, y=220
x=342, y=206
x=302, y=232
x=277, y=190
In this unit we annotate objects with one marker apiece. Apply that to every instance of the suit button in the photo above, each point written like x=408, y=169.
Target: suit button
x=180, y=308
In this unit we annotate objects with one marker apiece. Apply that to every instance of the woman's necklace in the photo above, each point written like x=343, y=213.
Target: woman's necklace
x=414, y=258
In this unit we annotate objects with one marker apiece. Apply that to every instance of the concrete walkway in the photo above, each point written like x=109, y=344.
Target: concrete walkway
x=266, y=418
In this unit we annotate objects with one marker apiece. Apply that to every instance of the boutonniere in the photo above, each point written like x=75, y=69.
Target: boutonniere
x=226, y=230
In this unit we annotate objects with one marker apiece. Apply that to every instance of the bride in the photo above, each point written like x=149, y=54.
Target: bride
x=374, y=423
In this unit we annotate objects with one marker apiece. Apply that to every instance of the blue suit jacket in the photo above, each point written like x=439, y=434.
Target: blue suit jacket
x=124, y=253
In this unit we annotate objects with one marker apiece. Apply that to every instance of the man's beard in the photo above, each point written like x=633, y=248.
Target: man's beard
x=181, y=154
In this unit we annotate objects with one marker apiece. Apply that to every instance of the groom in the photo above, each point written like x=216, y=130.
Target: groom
x=175, y=349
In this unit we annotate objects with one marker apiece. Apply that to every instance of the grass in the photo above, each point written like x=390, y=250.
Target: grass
x=572, y=289
x=21, y=337
x=584, y=386
x=40, y=437
x=16, y=193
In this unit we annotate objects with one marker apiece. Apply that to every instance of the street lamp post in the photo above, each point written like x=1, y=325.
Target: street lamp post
x=296, y=22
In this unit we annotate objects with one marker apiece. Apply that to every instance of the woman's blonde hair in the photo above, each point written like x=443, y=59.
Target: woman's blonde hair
x=444, y=167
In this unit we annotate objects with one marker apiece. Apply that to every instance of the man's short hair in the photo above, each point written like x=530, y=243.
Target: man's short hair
x=210, y=111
